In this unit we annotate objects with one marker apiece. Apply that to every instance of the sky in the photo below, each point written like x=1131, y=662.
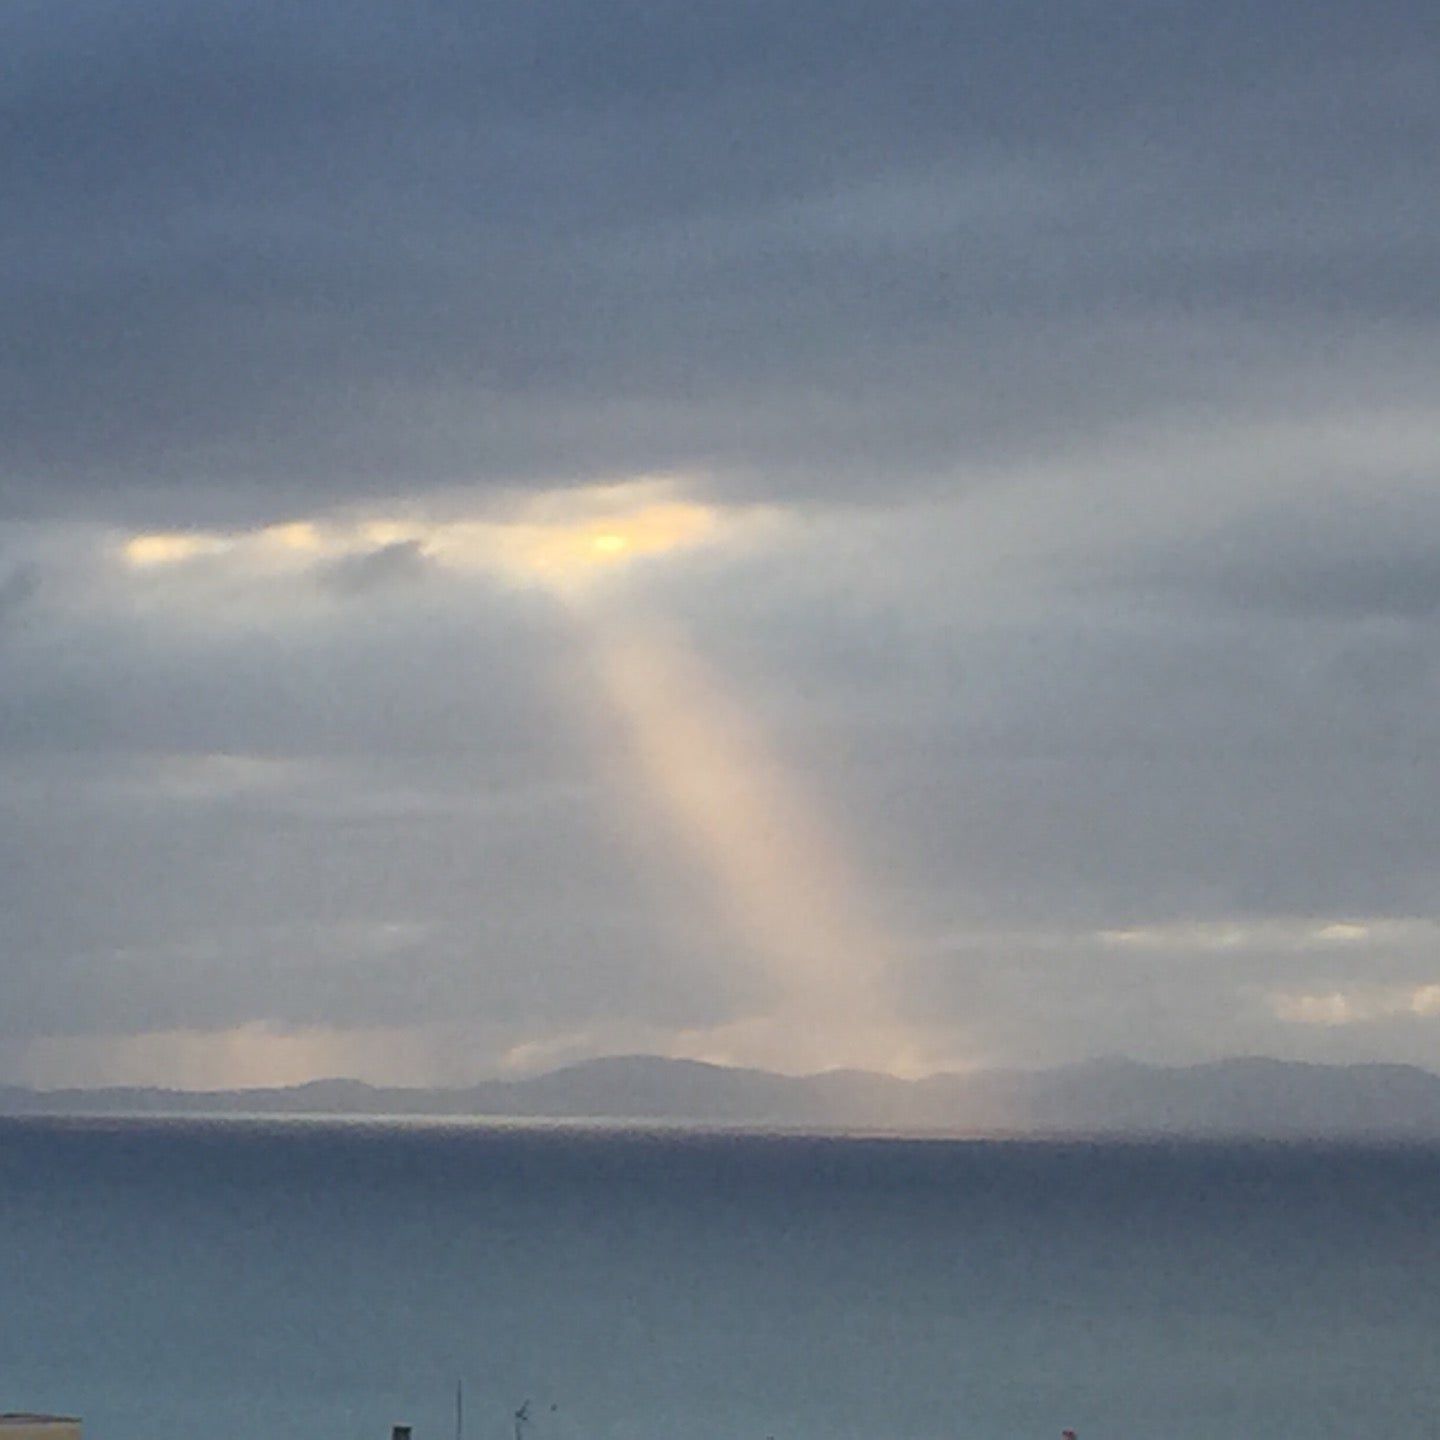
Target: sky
x=846, y=532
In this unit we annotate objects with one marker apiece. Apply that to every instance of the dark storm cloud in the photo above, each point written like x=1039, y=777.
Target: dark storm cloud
x=264, y=258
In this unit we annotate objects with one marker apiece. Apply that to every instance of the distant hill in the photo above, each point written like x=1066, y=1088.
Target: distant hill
x=1249, y=1097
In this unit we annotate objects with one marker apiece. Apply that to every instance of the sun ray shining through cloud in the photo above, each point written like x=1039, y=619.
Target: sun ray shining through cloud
x=787, y=889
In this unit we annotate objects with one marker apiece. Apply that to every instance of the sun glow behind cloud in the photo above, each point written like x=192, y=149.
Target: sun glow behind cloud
x=570, y=550
x=559, y=540
x=158, y=549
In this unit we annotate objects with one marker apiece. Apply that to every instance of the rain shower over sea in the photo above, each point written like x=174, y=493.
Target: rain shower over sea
x=229, y=1279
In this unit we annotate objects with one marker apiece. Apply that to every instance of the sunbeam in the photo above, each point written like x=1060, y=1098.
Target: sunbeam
x=784, y=885
x=787, y=890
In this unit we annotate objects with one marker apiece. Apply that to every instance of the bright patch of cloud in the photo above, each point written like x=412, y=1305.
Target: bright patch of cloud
x=605, y=530
x=559, y=538
x=148, y=551
x=1352, y=1007
x=1287, y=935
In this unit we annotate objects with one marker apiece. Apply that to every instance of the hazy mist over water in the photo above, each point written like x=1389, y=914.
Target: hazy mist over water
x=238, y=1279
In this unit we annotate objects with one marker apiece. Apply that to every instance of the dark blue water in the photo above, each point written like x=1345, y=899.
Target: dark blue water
x=236, y=1279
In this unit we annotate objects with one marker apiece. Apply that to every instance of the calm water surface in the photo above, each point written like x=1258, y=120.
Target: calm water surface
x=237, y=1279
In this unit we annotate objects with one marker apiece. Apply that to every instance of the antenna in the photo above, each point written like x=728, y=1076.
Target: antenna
x=522, y=1419
x=459, y=1410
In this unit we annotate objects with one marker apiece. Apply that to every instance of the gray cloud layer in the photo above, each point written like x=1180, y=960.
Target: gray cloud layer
x=1089, y=351
x=260, y=257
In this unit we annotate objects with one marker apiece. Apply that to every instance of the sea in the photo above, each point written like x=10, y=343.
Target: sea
x=182, y=1279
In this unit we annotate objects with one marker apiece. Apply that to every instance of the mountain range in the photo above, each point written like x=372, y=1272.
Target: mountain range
x=1239, y=1097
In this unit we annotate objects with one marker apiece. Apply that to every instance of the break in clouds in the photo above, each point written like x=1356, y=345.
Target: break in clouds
x=1007, y=432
